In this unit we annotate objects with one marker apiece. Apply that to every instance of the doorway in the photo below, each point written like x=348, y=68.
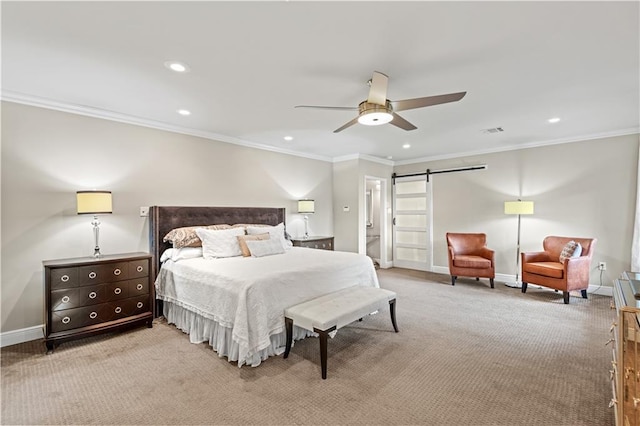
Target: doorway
x=373, y=241
x=412, y=209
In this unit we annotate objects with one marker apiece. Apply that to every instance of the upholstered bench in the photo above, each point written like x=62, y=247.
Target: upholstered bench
x=335, y=310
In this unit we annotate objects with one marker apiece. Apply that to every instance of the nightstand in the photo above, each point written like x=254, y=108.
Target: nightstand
x=323, y=243
x=87, y=295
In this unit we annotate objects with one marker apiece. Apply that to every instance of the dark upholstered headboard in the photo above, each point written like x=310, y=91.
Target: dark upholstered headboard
x=164, y=219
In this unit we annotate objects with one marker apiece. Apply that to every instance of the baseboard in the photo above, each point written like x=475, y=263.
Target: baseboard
x=506, y=278
x=14, y=337
x=385, y=265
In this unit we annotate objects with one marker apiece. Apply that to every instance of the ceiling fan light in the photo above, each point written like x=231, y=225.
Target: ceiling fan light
x=374, y=118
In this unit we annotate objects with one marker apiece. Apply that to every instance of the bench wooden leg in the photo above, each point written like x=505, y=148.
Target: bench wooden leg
x=288, y=324
x=392, y=309
x=324, y=334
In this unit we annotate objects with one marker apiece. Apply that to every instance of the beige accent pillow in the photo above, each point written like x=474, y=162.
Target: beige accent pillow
x=242, y=240
x=186, y=236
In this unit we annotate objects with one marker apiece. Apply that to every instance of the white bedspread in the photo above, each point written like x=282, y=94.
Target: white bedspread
x=247, y=295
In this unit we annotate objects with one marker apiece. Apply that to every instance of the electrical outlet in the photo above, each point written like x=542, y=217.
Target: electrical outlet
x=602, y=266
x=144, y=211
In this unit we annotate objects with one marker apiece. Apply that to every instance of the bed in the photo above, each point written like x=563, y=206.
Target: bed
x=236, y=304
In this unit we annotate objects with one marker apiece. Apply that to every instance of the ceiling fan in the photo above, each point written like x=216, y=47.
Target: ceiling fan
x=377, y=109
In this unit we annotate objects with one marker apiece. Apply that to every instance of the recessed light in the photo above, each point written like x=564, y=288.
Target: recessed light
x=177, y=66
x=288, y=138
x=553, y=120
x=184, y=112
x=406, y=146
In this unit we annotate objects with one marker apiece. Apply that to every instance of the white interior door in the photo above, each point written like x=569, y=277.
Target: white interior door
x=412, y=241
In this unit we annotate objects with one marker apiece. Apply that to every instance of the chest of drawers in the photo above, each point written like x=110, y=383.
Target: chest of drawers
x=323, y=243
x=86, y=296
x=625, y=364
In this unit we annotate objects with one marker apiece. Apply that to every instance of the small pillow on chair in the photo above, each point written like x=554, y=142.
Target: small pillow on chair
x=571, y=249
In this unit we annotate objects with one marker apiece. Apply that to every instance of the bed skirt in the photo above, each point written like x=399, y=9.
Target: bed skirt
x=201, y=329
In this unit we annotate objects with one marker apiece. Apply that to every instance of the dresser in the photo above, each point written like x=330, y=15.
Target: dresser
x=324, y=243
x=87, y=295
x=625, y=363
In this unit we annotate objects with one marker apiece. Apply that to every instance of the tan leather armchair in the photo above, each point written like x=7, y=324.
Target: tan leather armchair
x=470, y=257
x=544, y=267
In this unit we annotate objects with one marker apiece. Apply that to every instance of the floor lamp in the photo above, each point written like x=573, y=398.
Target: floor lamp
x=518, y=207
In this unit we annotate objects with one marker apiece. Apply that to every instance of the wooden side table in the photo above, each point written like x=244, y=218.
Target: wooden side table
x=323, y=243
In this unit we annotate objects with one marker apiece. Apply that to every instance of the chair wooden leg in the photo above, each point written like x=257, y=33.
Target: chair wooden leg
x=288, y=325
x=491, y=281
x=453, y=279
x=323, y=335
x=524, y=287
x=584, y=293
x=565, y=296
x=392, y=309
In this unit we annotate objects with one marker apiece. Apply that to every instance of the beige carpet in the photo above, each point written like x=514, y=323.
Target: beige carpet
x=465, y=355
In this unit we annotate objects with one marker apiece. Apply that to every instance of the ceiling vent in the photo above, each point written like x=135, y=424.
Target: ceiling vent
x=493, y=130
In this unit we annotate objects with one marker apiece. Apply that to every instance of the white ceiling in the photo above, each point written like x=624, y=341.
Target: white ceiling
x=521, y=63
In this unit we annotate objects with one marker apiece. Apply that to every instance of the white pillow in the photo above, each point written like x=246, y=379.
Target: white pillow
x=220, y=243
x=259, y=248
x=275, y=233
x=176, y=254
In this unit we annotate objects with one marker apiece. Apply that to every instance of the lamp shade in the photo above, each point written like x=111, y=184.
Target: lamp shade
x=518, y=207
x=94, y=202
x=306, y=206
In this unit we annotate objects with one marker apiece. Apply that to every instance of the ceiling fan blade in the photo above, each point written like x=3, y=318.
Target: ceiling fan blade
x=401, y=122
x=378, y=89
x=327, y=107
x=349, y=124
x=426, y=101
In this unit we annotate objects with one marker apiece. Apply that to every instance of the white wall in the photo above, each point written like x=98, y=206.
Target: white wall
x=580, y=189
x=48, y=155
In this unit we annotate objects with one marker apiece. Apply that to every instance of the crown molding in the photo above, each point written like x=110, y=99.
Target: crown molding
x=614, y=133
x=20, y=98
x=363, y=157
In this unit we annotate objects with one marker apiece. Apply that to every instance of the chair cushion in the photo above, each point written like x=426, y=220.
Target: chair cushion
x=571, y=249
x=468, y=261
x=547, y=269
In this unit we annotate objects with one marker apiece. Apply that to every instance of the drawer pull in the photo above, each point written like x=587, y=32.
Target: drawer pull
x=613, y=326
x=613, y=402
x=609, y=341
x=636, y=401
x=64, y=278
x=117, y=290
x=92, y=275
x=117, y=271
x=118, y=310
x=139, y=268
x=65, y=299
x=92, y=295
x=139, y=286
x=93, y=315
x=66, y=320
x=140, y=305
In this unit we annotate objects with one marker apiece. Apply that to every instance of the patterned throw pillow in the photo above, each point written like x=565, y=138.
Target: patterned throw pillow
x=187, y=237
x=265, y=247
x=242, y=240
x=571, y=249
